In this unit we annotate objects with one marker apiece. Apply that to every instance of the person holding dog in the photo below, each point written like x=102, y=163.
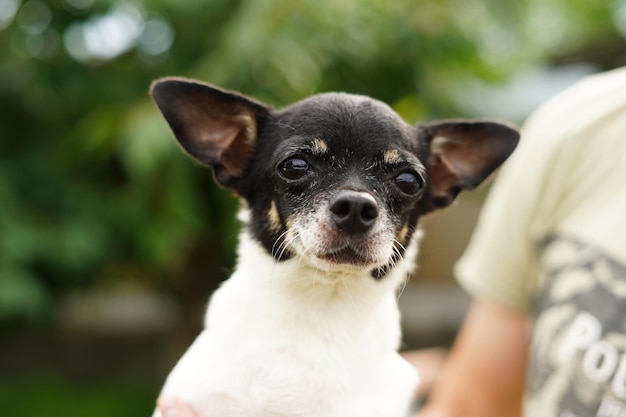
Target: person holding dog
x=546, y=334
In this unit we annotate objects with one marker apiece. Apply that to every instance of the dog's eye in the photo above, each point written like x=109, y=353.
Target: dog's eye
x=294, y=168
x=409, y=183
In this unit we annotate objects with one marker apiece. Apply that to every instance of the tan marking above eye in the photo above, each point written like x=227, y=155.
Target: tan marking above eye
x=391, y=156
x=273, y=217
x=319, y=146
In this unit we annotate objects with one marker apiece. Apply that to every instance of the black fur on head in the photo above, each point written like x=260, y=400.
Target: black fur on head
x=331, y=152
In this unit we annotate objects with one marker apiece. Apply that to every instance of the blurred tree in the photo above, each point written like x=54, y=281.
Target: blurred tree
x=92, y=188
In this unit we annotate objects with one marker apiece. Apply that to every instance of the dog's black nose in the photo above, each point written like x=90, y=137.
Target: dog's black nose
x=354, y=212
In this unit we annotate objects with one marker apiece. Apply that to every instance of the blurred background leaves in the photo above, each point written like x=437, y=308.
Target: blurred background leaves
x=95, y=197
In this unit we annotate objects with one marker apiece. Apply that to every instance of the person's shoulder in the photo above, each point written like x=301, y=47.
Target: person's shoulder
x=612, y=81
x=580, y=106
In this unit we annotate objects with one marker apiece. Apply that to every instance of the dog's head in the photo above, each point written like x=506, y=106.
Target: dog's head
x=339, y=180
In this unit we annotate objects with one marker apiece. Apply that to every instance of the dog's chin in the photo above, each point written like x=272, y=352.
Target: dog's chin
x=344, y=259
x=343, y=255
x=348, y=257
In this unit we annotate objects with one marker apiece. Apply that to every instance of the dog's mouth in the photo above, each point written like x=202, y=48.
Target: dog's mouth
x=347, y=256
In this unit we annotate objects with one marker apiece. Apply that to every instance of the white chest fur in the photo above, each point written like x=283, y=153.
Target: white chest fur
x=287, y=339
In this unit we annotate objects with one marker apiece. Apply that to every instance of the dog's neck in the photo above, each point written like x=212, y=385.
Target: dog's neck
x=317, y=304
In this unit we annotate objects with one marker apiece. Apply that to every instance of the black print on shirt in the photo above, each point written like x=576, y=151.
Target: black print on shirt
x=578, y=354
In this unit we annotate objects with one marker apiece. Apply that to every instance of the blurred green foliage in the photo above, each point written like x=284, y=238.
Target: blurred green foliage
x=92, y=188
x=53, y=396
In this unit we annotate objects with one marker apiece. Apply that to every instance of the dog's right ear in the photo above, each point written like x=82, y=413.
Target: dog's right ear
x=462, y=154
x=217, y=128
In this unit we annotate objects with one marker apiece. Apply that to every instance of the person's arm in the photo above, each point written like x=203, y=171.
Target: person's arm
x=174, y=407
x=485, y=370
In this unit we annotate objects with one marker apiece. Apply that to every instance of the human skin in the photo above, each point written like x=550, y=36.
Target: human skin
x=484, y=373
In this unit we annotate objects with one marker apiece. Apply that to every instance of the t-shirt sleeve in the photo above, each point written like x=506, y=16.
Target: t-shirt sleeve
x=499, y=263
x=537, y=189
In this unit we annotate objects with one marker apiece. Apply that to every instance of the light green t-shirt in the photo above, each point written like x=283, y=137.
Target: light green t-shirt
x=551, y=240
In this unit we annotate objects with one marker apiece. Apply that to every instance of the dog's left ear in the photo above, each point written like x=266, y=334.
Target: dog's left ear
x=462, y=154
x=216, y=127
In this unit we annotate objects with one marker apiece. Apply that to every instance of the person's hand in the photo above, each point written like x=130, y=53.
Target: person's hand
x=174, y=407
x=428, y=363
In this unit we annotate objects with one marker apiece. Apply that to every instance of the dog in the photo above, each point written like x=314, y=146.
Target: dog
x=332, y=188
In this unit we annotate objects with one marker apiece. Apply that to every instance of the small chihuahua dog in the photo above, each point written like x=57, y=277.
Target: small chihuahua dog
x=332, y=189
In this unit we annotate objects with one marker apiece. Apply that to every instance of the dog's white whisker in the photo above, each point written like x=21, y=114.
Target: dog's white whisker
x=278, y=241
x=397, y=242
x=402, y=286
x=396, y=248
x=284, y=245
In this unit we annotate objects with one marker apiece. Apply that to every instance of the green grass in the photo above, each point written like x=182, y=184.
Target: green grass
x=56, y=397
